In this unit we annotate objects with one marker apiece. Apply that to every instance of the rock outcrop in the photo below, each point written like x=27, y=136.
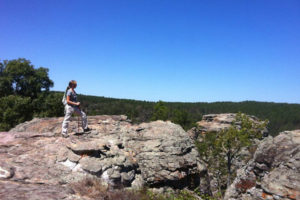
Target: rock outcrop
x=273, y=173
x=216, y=123
x=37, y=163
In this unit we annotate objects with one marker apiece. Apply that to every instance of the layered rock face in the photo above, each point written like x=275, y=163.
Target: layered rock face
x=273, y=173
x=216, y=122
x=37, y=163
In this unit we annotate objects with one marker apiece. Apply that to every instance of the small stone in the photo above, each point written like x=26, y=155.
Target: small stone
x=138, y=183
x=90, y=164
x=115, y=175
x=73, y=157
x=69, y=164
x=6, y=172
x=128, y=176
x=62, y=155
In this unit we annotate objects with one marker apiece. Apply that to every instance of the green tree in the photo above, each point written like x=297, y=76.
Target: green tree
x=48, y=105
x=24, y=92
x=161, y=111
x=14, y=110
x=239, y=135
x=5, y=82
x=219, y=150
x=1, y=68
x=19, y=77
x=182, y=118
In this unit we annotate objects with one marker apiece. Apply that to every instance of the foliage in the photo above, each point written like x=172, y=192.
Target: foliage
x=182, y=118
x=219, y=150
x=49, y=105
x=137, y=111
x=241, y=134
x=24, y=93
x=19, y=77
x=14, y=110
x=161, y=112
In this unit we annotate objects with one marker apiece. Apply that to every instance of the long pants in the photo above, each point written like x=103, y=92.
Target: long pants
x=69, y=111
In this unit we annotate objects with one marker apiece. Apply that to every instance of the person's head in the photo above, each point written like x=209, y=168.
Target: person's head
x=72, y=84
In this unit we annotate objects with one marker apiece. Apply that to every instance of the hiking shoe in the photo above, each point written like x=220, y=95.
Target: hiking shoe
x=65, y=135
x=87, y=129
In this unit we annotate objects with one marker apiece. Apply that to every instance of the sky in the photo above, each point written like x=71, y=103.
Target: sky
x=169, y=50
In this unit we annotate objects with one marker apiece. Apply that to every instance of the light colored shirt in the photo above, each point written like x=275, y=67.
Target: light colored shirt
x=72, y=95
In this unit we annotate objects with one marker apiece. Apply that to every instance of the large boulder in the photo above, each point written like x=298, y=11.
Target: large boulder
x=273, y=173
x=34, y=156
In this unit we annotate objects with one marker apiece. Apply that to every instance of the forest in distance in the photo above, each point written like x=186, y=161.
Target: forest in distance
x=281, y=116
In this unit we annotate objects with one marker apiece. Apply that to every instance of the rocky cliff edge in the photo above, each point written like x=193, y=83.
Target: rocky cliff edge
x=37, y=163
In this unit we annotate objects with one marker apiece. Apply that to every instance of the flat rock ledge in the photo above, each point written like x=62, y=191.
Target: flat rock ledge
x=273, y=173
x=37, y=163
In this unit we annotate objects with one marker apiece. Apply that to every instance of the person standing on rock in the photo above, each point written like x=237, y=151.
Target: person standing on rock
x=71, y=106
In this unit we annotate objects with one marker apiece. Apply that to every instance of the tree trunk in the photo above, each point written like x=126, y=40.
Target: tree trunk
x=228, y=169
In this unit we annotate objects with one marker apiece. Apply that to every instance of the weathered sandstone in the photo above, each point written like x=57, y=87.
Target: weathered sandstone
x=36, y=162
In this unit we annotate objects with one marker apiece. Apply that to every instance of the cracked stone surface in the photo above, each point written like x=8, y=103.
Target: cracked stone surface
x=273, y=173
x=37, y=163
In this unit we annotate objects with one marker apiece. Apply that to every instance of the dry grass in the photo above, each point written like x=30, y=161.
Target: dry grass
x=94, y=189
x=244, y=185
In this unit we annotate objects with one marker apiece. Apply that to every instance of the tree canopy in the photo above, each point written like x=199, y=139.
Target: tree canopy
x=161, y=111
x=24, y=93
x=19, y=77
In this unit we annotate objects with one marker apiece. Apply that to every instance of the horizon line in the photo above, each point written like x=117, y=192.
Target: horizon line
x=152, y=101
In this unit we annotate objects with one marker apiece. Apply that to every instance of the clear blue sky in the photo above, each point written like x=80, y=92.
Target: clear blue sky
x=170, y=50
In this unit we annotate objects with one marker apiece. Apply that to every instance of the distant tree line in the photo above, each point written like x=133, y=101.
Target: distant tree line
x=282, y=116
x=24, y=94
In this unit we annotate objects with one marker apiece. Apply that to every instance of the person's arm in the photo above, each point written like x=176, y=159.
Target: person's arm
x=71, y=102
